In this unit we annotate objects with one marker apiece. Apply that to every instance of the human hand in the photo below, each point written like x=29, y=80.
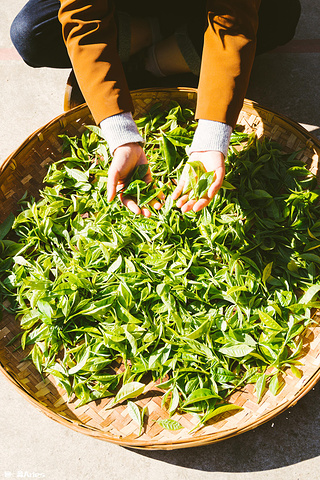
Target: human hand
x=126, y=158
x=213, y=161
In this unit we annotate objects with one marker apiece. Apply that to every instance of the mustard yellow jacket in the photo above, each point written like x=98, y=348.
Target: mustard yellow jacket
x=90, y=34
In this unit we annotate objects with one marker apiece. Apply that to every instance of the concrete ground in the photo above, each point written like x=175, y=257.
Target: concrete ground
x=33, y=446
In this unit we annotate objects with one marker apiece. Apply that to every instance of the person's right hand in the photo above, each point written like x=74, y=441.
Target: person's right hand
x=213, y=161
x=125, y=159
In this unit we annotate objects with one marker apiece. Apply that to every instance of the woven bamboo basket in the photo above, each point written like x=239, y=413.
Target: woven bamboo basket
x=24, y=170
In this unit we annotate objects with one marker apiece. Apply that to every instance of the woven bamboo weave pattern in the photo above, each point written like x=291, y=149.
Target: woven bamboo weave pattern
x=24, y=171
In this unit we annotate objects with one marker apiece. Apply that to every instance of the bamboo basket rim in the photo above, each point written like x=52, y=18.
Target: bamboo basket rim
x=63, y=119
x=168, y=445
x=313, y=142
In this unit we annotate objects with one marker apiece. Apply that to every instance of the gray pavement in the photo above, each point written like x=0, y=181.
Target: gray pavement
x=34, y=446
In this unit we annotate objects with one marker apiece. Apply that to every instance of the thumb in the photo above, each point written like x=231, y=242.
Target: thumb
x=217, y=183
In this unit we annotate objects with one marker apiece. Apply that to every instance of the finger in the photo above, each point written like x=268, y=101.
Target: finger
x=155, y=204
x=130, y=204
x=188, y=206
x=161, y=196
x=215, y=187
x=200, y=204
x=112, y=182
x=182, y=200
x=148, y=178
x=119, y=187
x=145, y=212
x=178, y=190
x=216, y=184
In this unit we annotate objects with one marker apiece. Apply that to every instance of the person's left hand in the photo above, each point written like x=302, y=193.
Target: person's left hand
x=213, y=161
x=126, y=158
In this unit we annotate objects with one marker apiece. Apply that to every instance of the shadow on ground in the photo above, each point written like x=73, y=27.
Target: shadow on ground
x=289, y=438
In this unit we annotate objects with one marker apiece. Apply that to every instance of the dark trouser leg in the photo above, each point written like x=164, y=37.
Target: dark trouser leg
x=36, y=31
x=36, y=34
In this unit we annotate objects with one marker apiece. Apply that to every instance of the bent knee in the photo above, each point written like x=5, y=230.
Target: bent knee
x=24, y=38
x=278, y=20
x=290, y=18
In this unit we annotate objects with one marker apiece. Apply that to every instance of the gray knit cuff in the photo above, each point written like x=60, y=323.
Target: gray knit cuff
x=211, y=135
x=119, y=130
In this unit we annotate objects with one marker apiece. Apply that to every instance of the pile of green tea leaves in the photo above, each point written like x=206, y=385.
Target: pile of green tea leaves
x=204, y=302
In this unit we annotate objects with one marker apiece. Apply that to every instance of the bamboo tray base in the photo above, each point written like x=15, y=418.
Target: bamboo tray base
x=24, y=170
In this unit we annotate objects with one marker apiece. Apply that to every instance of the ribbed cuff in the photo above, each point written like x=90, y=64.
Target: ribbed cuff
x=211, y=135
x=119, y=130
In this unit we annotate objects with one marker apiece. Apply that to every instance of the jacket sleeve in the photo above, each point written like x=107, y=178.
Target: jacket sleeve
x=90, y=34
x=227, y=58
